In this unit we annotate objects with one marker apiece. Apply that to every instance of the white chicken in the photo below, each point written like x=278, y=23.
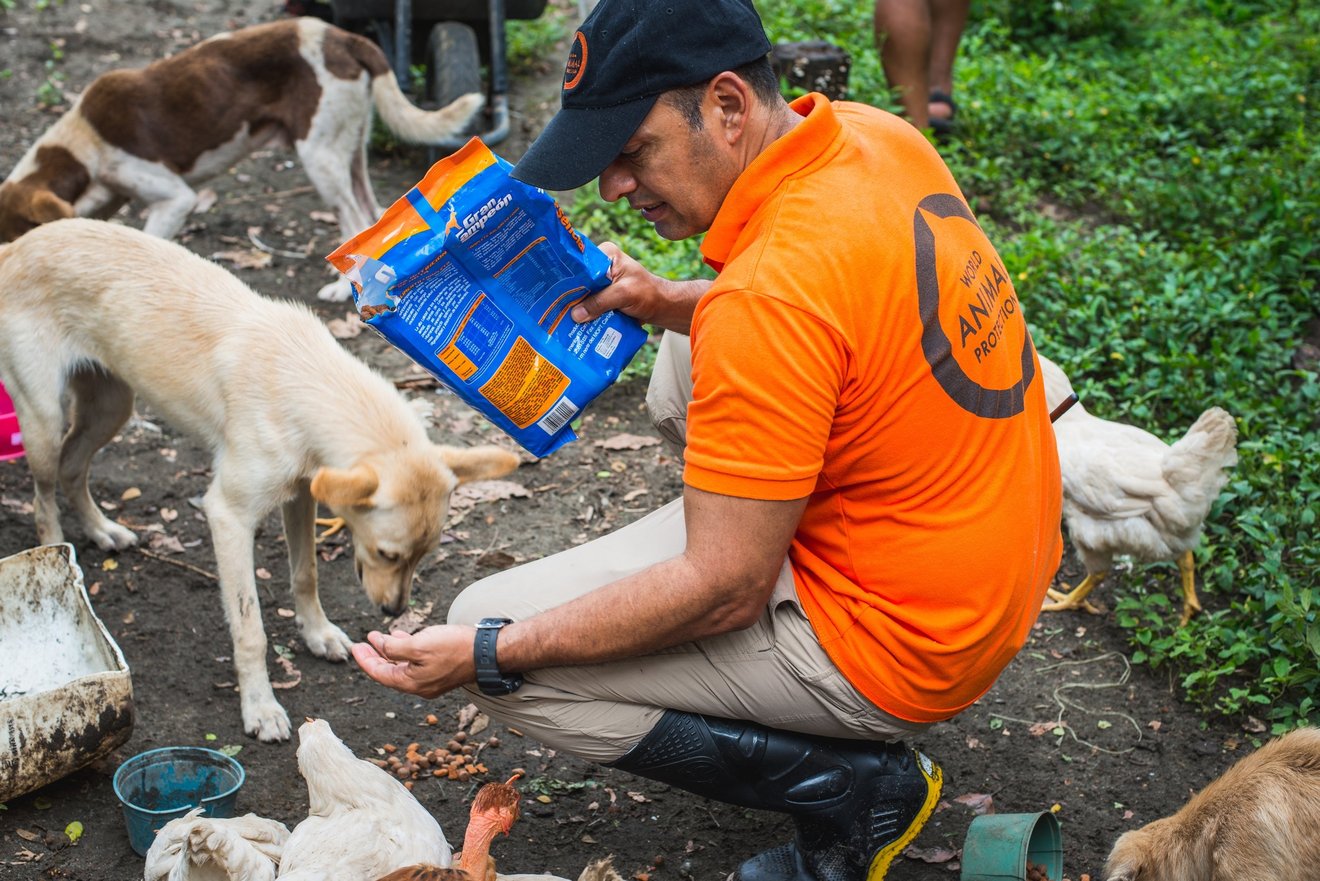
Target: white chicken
x=1126, y=492
x=361, y=823
x=197, y=848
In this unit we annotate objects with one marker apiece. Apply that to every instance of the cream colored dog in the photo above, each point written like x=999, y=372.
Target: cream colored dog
x=1260, y=821
x=102, y=312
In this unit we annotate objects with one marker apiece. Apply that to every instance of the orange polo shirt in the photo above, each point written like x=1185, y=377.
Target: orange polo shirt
x=863, y=346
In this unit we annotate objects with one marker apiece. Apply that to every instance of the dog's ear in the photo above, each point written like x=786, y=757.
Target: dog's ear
x=345, y=487
x=479, y=463
x=46, y=206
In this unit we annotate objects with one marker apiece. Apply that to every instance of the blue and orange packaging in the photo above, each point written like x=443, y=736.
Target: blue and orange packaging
x=473, y=274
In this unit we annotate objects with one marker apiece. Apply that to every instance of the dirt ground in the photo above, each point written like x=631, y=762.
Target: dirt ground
x=1069, y=726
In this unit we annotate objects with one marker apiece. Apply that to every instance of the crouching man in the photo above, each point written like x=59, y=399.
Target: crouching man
x=871, y=508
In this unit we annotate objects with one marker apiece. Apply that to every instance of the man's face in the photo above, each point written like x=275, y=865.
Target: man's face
x=675, y=175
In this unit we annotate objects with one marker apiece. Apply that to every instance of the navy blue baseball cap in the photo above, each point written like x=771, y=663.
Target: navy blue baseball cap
x=624, y=56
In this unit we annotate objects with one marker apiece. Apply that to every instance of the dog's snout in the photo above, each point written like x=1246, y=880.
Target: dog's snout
x=395, y=609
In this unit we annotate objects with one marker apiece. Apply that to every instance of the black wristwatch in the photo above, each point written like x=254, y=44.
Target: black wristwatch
x=489, y=678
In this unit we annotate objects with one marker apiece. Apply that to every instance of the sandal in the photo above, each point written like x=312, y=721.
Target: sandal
x=943, y=125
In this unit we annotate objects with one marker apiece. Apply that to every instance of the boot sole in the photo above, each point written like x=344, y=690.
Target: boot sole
x=934, y=785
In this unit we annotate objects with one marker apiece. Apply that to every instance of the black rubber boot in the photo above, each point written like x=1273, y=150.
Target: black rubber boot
x=855, y=804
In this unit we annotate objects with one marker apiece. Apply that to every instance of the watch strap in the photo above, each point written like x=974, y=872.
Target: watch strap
x=489, y=678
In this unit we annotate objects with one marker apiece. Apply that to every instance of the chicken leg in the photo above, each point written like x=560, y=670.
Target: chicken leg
x=334, y=523
x=1191, y=605
x=1076, y=597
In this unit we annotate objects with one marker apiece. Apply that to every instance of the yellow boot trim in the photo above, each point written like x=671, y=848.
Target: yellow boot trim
x=934, y=784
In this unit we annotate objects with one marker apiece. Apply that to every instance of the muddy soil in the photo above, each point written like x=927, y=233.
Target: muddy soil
x=1069, y=727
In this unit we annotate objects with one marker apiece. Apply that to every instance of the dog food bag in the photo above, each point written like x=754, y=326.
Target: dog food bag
x=473, y=274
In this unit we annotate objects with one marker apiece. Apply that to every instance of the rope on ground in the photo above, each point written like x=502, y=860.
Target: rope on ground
x=1065, y=703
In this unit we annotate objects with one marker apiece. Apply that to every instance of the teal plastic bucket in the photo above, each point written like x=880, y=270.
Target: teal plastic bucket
x=160, y=785
x=999, y=846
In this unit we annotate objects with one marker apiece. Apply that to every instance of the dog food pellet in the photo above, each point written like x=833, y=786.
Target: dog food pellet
x=1037, y=872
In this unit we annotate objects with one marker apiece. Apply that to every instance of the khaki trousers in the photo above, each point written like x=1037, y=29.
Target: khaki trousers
x=774, y=672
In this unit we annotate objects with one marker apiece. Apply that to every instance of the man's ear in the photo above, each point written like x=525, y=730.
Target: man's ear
x=733, y=98
x=345, y=487
x=478, y=463
x=46, y=206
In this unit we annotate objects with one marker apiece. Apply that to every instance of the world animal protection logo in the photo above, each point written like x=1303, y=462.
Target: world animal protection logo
x=973, y=335
x=577, y=62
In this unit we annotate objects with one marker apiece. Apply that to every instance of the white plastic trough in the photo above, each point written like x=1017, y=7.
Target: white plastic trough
x=66, y=698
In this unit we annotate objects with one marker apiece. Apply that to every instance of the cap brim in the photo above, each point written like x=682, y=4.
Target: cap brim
x=579, y=143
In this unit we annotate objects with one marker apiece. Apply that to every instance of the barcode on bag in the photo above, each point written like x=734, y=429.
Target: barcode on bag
x=558, y=416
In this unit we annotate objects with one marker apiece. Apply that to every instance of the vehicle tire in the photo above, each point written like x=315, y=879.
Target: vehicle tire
x=454, y=62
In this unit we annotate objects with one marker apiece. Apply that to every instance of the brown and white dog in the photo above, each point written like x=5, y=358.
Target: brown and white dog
x=149, y=135
x=1260, y=820
x=95, y=313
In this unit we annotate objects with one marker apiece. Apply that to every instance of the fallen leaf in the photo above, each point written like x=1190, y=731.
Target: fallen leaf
x=1253, y=725
x=130, y=494
x=16, y=505
x=294, y=673
x=26, y=856
x=470, y=494
x=543, y=799
x=74, y=830
x=467, y=714
x=162, y=543
x=979, y=802
x=42, y=803
x=27, y=835
x=1154, y=724
x=245, y=258
x=205, y=200
x=1038, y=728
x=930, y=854
x=480, y=723
x=638, y=797
x=230, y=750
x=109, y=565
x=627, y=442
x=496, y=560
x=95, y=588
x=412, y=620
x=629, y=496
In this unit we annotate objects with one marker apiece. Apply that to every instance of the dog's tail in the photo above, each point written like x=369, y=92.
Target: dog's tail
x=418, y=126
x=405, y=119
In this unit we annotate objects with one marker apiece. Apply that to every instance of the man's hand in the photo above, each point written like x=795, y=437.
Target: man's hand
x=428, y=663
x=642, y=294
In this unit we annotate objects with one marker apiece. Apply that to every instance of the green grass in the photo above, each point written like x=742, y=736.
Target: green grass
x=1147, y=172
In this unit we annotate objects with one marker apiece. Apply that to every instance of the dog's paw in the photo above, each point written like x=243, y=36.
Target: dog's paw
x=328, y=642
x=336, y=291
x=266, y=720
x=111, y=536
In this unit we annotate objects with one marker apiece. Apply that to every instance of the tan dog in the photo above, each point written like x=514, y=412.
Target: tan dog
x=1260, y=821
x=149, y=135
x=101, y=312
